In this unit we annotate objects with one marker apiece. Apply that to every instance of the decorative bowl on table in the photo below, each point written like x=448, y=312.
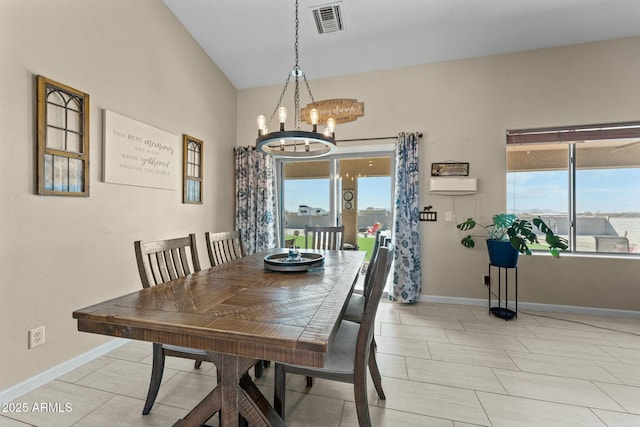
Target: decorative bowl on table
x=293, y=260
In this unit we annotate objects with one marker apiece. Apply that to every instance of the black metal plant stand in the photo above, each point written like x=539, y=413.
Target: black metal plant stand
x=504, y=312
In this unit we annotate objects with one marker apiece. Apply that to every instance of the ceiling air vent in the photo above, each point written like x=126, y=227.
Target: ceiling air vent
x=328, y=18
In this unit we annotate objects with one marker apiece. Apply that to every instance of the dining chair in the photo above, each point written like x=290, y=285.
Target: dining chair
x=225, y=246
x=357, y=301
x=350, y=353
x=378, y=241
x=324, y=237
x=159, y=262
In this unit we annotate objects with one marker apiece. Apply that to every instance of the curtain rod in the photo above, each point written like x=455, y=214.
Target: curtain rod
x=372, y=139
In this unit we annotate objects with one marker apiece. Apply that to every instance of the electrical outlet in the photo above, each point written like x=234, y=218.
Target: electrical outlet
x=36, y=337
x=486, y=280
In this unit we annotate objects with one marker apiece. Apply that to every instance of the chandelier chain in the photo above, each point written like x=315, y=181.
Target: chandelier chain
x=284, y=90
x=295, y=143
x=297, y=72
x=295, y=46
x=313, y=101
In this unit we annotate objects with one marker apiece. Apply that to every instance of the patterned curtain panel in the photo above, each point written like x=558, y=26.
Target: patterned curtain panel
x=407, y=272
x=255, y=199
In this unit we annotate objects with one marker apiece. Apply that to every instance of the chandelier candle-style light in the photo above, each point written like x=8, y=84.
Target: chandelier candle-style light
x=297, y=142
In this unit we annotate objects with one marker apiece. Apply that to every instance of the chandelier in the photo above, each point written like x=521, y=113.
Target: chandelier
x=297, y=142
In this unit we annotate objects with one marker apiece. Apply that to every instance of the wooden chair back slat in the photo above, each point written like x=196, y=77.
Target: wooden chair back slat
x=165, y=260
x=181, y=252
x=324, y=237
x=163, y=265
x=225, y=246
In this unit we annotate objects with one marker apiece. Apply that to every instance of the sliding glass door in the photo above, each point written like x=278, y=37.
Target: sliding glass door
x=306, y=189
x=354, y=191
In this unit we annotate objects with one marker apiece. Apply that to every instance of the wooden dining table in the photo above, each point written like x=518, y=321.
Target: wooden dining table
x=239, y=313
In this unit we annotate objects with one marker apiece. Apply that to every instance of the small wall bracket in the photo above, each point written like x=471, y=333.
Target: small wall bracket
x=427, y=215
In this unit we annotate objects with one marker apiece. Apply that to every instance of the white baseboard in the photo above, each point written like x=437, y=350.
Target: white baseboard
x=43, y=378
x=592, y=311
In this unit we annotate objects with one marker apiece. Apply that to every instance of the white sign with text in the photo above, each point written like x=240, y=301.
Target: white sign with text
x=139, y=154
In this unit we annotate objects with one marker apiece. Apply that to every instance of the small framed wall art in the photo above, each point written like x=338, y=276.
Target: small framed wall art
x=450, y=169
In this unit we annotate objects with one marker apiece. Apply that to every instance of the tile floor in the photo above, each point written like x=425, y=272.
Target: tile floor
x=442, y=366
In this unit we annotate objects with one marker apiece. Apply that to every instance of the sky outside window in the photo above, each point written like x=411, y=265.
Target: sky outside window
x=372, y=192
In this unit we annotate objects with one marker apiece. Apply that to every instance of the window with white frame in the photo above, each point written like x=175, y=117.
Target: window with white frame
x=584, y=181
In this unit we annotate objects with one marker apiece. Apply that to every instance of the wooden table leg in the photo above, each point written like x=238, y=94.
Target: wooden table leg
x=235, y=395
x=229, y=379
x=203, y=411
x=258, y=411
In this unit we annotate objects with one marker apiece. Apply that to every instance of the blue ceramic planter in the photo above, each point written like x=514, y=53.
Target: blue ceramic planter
x=502, y=254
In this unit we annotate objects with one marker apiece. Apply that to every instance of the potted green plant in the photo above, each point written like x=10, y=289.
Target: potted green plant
x=508, y=236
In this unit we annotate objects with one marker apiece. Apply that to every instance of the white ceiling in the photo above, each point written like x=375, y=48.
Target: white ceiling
x=252, y=40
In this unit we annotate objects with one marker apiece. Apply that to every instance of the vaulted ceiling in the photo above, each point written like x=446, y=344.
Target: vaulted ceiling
x=252, y=40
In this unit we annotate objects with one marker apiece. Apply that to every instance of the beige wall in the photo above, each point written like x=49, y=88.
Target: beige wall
x=58, y=254
x=463, y=108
